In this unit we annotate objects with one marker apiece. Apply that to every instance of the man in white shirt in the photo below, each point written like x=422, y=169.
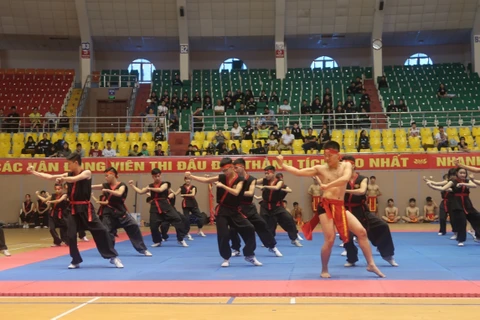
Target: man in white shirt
x=285, y=108
x=414, y=131
x=108, y=151
x=441, y=138
x=50, y=119
x=286, y=141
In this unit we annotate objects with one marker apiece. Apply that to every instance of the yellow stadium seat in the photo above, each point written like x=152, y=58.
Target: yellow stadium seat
x=199, y=136
x=297, y=144
x=151, y=147
x=57, y=136
x=477, y=140
x=476, y=131
x=210, y=135
x=400, y=133
x=17, y=150
x=146, y=137
x=123, y=149
x=71, y=138
x=286, y=152
x=227, y=134
x=25, y=156
x=82, y=138
x=109, y=136
x=428, y=141
x=417, y=150
x=424, y=132
x=432, y=150
x=165, y=145
x=375, y=143
x=340, y=142
x=298, y=151
x=39, y=156
x=374, y=133
x=311, y=151
x=5, y=137
x=121, y=137
x=451, y=132
x=435, y=131
x=469, y=140
x=414, y=142
x=388, y=144
x=349, y=143
x=205, y=144
x=273, y=152
x=246, y=145
x=387, y=133
x=18, y=138
x=133, y=136
x=350, y=150
x=349, y=134
x=135, y=143
x=401, y=142
x=96, y=137
x=101, y=145
x=464, y=132
x=34, y=136
x=365, y=150
x=337, y=135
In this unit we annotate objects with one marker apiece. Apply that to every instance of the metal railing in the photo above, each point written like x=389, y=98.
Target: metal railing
x=121, y=81
x=82, y=101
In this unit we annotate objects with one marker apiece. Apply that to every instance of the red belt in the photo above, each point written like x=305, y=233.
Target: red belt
x=277, y=204
x=335, y=209
x=246, y=203
x=353, y=205
x=88, y=203
x=463, y=196
x=155, y=200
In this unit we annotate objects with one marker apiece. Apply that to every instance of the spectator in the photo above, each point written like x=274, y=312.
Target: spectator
x=365, y=96
x=220, y=138
x=274, y=98
x=29, y=147
x=80, y=150
x=286, y=141
x=229, y=104
x=251, y=106
x=177, y=81
x=197, y=119
x=158, y=135
x=242, y=111
x=206, y=95
x=323, y=138
x=363, y=119
x=149, y=122
x=174, y=123
x=190, y=151
x=326, y=101
x=442, y=91
x=228, y=95
x=401, y=106
x=233, y=149
x=134, y=152
x=95, y=152
x=263, y=97
x=108, y=151
x=328, y=117
x=365, y=105
x=207, y=105
x=462, y=145
x=174, y=103
x=13, y=120
x=222, y=149
x=258, y=149
x=272, y=143
x=316, y=106
x=44, y=144
x=27, y=213
x=268, y=117
x=285, y=108
x=144, y=151
x=297, y=132
x=197, y=97
x=310, y=141
x=248, y=95
x=162, y=109
x=328, y=94
x=352, y=88
x=65, y=151
x=382, y=83
x=391, y=106
x=64, y=122
x=363, y=141
x=51, y=152
x=35, y=119
x=50, y=119
x=441, y=139
x=349, y=101
x=236, y=132
x=277, y=134
x=239, y=96
x=263, y=132
x=185, y=105
x=154, y=97
x=152, y=106
x=391, y=212
x=219, y=109
x=248, y=131
x=165, y=95
x=414, y=131
x=358, y=85
x=339, y=118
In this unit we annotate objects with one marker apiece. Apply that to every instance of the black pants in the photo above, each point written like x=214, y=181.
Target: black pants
x=378, y=232
x=282, y=217
x=196, y=212
x=170, y=216
x=443, y=220
x=3, y=244
x=41, y=219
x=81, y=234
x=53, y=224
x=100, y=234
x=166, y=225
x=260, y=226
x=461, y=222
x=112, y=223
x=231, y=218
x=27, y=218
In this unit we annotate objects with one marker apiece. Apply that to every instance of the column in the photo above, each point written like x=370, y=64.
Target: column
x=376, y=43
x=280, y=46
x=475, y=43
x=86, y=47
x=183, y=39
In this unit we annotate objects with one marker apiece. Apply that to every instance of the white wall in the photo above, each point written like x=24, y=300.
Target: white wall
x=213, y=59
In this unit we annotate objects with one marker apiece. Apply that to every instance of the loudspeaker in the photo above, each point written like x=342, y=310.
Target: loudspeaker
x=380, y=7
x=182, y=12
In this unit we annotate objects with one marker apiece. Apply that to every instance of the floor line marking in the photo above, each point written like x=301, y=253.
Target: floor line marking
x=293, y=301
x=230, y=301
x=30, y=246
x=76, y=308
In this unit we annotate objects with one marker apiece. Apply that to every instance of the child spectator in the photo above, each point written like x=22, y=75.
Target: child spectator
x=159, y=152
x=272, y=143
x=297, y=214
x=95, y=152
x=430, y=210
x=391, y=212
x=134, y=152
x=412, y=213
x=144, y=151
x=190, y=151
x=233, y=149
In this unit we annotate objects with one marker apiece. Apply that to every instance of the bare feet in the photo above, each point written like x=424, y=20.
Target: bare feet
x=374, y=269
x=325, y=274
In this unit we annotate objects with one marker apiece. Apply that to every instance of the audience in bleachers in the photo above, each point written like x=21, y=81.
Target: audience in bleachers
x=109, y=151
x=95, y=152
x=363, y=141
x=441, y=138
x=382, y=83
x=30, y=147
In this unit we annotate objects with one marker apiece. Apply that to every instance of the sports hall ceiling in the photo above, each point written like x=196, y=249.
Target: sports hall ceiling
x=151, y=25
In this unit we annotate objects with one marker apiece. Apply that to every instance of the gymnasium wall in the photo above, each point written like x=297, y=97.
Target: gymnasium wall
x=213, y=59
x=399, y=185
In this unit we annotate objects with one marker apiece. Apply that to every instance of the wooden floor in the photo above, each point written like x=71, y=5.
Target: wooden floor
x=236, y=309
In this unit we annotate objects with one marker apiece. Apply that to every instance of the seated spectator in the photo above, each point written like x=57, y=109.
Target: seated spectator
x=219, y=109
x=323, y=138
x=272, y=143
x=310, y=141
x=41, y=216
x=391, y=213
x=236, y=131
x=363, y=141
x=222, y=149
x=144, y=152
x=150, y=121
x=268, y=117
x=207, y=105
x=185, y=105
x=108, y=151
x=242, y=111
x=463, y=145
x=198, y=119
x=248, y=95
x=50, y=120
x=162, y=109
x=44, y=144
x=197, y=98
x=352, y=88
x=173, y=120
x=364, y=105
x=190, y=151
x=154, y=97
x=229, y=104
x=65, y=151
x=228, y=95
x=177, y=81
x=401, y=106
x=152, y=106
x=285, y=108
x=392, y=107
x=35, y=119
x=328, y=117
x=339, y=117
x=277, y=134
x=95, y=152
x=316, y=106
x=175, y=104
x=358, y=85
x=286, y=141
x=80, y=150
x=220, y=138
x=274, y=100
x=430, y=210
x=165, y=95
x=134, y=152
x=248, y=131
x=364, y=119
x=326, y=101
x=263, y=132
x=412, y=212
x=64, y=121
x=13, y=120
x=263, y=97
x=365, y=96
x=305, y=108
x=238, y=96
x=27, y=215
x=328, y=94
x=29, y=147
x=414, y=131
x=297, y=132
x=442, y=91
x=349, y=101
x=158, y=135
x=51, y=152
x=441, y=139
x=233, y=150
x=382, y=83
x=158, y=151
x=258, y=149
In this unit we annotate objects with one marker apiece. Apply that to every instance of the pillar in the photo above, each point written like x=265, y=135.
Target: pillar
x=87, y=64
x=280, y=46
x=183, y=39
x=377, y=32
x=475, y=43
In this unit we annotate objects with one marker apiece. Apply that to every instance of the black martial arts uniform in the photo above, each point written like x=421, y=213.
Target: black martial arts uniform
x=58, y=219
x=190, y=206
x=462, y=210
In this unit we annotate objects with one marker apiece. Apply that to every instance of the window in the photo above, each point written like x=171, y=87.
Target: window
x=324, y=62
x=145, y=69
x=418, y=59
x=228, y=64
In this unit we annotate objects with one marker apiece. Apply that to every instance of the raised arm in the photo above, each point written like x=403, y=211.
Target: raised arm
x=136, y=189
x=439, y=183
x=234, y=191
x=445, y=187
x=278, y=186
x=307, y=172
x=163, y=187
x=62, y=198
x=46, y=176
x=42, y=198
x=472, y=178
x=97, y=201
x=213, y=179
x=97, y=187
x=287, y=190
x=469, y=184
x=117, y=193
x=463, y=166
x=192, y=194
x=84, y=175
x=251, y=191
x=341, y=181
x=179, y=190
x=360, y=191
